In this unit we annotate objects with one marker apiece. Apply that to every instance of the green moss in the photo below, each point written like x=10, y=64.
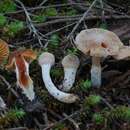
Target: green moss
x=13, y=28
x=54, y=41
x=72, y=51
x=119, y=113
x=92, y=100
x=98, y=118
x=3, y=20
x=11, y=115
x=57, y=72
x=60, y=126
x=7, y=6
x=85, y=85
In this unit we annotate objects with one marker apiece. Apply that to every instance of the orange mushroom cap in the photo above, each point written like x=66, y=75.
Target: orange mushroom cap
x=4, y=50
x=17, y=59
x=28, y=56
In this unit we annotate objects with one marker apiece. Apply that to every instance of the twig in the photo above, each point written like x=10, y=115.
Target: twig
x=77, y=18
x=11, y=89
x=31, y=26
x=82, y=19
x=66, y=118
x=71, y=120
x=18, y=128
x=43, y=2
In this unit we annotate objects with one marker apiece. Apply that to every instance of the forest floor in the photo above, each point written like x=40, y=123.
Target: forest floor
x=50, y=25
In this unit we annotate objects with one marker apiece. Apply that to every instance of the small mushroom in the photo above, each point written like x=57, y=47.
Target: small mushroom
x=46, y=61
x=4, y=52
x=70, y=64
x=98, y=43
x=19, y=61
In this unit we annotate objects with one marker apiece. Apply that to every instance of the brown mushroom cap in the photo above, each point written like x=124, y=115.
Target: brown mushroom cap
x=4, y=50
x=27, y=55
x=98, y=42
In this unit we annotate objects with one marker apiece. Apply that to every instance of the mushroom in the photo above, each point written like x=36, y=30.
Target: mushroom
x=4, y=52
x=98, y=43
x=19, y=61
x=70, y=64
x=46, y=61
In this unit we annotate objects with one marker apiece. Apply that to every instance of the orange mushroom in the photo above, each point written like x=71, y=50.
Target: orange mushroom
x=19, y=61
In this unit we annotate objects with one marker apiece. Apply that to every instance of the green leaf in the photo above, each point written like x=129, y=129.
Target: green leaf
x=7, y=6
x=3, y=20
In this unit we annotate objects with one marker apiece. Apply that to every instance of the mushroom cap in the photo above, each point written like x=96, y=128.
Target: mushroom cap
x=124, y=52
x=46, y=58
x=70, y=61
x=98, y=42
x=4, y=50
x=28, y=55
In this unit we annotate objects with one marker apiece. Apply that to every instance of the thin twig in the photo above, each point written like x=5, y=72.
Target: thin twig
x=11, y=89
x=72, y=121
x=82, y=19
x=31, y=26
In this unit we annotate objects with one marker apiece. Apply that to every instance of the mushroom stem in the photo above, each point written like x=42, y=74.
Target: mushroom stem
x=69, y=79
x=61, y=96
x=96, y=72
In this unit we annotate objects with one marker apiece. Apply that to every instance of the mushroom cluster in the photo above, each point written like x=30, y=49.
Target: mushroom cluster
x=97, y=43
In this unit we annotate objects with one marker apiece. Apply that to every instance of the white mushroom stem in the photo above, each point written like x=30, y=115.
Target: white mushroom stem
x=96, y=72
x=2, y=103
x=59, y=95
x=69, y=79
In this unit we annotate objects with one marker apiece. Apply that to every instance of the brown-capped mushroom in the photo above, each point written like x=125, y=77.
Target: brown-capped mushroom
x=46, y=61
x=98, y=43
x=19, y=61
